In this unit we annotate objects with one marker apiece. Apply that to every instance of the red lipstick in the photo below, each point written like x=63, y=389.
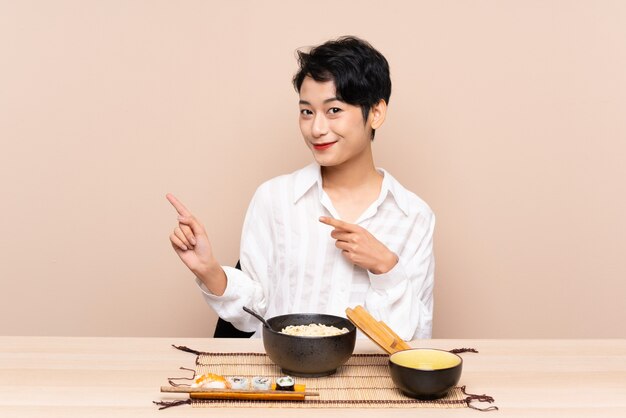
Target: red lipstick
x=323, y=146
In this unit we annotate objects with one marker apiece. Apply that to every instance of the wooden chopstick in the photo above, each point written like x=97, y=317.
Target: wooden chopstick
x=188, y=389
x=377, y=331
x=372, y=330
x=279, y=396
x=397, y=342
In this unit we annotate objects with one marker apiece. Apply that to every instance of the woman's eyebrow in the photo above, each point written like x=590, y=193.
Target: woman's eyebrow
x=332, y=99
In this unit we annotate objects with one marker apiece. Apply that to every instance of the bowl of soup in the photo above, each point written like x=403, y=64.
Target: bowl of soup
x=425, y=373
x=309, y=344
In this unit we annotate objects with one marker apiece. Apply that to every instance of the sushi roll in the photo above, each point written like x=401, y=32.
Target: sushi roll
x=262, y=383
x=237, y=382
x=285, y=383
x=210, y=381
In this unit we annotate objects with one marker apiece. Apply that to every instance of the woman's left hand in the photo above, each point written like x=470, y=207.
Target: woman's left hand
x=360, y=247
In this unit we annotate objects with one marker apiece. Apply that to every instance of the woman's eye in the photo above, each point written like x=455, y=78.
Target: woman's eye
x=334, y=110
x=306, y=112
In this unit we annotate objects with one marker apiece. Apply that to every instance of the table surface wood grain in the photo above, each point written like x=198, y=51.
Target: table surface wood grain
x=104, y=377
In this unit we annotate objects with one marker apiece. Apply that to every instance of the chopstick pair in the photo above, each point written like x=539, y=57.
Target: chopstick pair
x=208, y=393
x=377, y=331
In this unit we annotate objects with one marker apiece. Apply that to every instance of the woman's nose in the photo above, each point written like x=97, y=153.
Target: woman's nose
x=320, y=126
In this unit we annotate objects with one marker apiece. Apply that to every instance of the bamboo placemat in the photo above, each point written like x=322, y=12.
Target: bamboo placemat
x=363, y=381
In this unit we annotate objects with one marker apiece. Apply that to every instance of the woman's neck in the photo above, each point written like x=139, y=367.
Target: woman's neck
x=354, y=175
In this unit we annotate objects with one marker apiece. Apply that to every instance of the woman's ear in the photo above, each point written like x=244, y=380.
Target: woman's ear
x=377, y=114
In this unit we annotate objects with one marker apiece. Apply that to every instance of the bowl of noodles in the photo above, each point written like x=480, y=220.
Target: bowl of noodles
x=309, y=345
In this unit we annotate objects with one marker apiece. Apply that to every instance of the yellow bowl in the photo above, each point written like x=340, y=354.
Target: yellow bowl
x=425, y=373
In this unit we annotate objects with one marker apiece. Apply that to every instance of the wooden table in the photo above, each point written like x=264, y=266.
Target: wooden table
x=120, y=377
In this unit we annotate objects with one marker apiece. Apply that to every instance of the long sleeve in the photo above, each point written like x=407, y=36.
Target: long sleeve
x=403, y=297
x=249, y=286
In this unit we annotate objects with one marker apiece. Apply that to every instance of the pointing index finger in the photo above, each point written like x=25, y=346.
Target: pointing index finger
x=180, y=208
x=336, y=223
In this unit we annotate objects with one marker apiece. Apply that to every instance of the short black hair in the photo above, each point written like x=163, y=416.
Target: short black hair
x=360, y=72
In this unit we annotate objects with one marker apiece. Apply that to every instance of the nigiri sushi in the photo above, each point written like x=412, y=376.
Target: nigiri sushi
x=210, y=381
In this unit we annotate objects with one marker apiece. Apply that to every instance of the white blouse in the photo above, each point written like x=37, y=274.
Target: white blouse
x=290, y=263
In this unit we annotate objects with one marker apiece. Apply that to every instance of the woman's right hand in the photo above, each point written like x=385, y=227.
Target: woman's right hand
x=190, y=241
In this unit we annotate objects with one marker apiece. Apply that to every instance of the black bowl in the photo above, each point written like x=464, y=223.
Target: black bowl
x=425, y=373
x=308, y=356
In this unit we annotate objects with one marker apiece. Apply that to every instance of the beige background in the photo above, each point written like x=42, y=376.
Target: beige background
x=506, y=117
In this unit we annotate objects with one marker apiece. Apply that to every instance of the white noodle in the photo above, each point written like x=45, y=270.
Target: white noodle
x=313, y=330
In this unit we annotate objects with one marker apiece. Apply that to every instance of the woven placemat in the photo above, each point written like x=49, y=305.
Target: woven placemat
x=363, y=381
